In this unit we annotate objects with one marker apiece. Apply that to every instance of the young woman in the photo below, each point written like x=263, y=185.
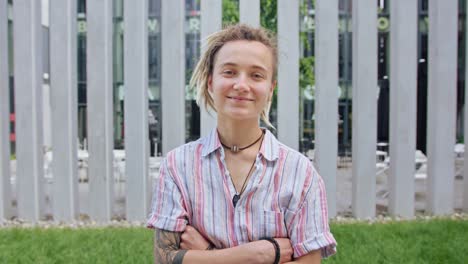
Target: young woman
x=239, y=190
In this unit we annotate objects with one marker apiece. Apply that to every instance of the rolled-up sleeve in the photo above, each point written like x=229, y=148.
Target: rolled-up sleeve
x=167, y=210
x=307, y=226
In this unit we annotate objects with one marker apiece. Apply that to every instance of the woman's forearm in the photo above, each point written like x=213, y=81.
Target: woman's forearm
x=247, y=253
x=313, y=257
x=167, y=251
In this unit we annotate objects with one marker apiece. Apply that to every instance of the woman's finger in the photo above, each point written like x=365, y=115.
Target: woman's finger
x=183, y=246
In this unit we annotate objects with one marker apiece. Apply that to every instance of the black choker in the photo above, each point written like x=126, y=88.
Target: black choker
x=236, y=149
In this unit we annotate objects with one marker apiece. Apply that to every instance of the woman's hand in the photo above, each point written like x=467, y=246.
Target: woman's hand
x=191, y=239
x=286, y=251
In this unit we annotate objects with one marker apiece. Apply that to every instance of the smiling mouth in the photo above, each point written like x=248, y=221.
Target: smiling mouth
x=237, y=98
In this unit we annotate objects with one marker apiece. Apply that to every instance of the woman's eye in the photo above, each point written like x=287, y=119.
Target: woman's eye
x=228, y=72
x=258, y=76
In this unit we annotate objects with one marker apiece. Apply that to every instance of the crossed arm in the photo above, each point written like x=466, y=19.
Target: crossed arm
x=167, y=247
x=168, y=250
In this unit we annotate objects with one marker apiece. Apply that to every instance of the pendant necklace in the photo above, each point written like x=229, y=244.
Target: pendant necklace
x=236, y=149
x=236, y=197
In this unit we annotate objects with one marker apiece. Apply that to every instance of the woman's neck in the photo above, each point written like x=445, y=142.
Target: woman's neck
x=238, y=132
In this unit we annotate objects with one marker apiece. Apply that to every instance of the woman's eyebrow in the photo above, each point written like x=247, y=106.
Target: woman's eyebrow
x=228, y=64
x=259, y=67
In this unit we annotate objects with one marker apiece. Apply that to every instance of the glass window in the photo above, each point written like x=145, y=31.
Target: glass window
x=307, y=76
x=192, y=53
x=10, y=47
x=154, y=77
x=118, y=8
x=154, y=59
x=81, y=6
x=424, y=5
x=345, y=77
x=118, y=74
x=154, y=7
x=82, y=60
x=45, y=52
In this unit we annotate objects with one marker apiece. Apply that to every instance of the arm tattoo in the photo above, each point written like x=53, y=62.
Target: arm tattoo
x=167, y=247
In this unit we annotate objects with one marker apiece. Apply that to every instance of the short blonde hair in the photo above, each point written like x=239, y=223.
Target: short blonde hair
x=214, y=43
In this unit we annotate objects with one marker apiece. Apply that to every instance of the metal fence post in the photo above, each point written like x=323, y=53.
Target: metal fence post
x=63, y=80
x=173, y=74
x=249, y=11
x=441, y=105
x=288, y=72
x=5, y=185
x=28, y=108
x=211, y=19
x=403, y=86
x=326, y=103
x=136, y=108
x=99, y=109
x=364, y=91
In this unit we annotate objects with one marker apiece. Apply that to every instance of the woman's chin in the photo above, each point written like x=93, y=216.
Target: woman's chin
x=239, y=116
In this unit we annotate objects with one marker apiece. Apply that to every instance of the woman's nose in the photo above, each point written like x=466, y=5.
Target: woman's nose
x=241, y=83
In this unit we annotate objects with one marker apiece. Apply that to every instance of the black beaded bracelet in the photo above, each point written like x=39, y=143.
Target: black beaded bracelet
x=277, y=249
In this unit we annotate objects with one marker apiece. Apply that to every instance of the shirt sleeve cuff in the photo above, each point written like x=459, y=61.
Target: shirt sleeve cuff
x=325, y=242
x=166, y=223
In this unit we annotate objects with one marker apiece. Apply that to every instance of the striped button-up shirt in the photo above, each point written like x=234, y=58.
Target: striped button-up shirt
x=284, y=197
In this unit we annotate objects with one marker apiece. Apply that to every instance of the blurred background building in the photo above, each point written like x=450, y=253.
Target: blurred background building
x=268, y=19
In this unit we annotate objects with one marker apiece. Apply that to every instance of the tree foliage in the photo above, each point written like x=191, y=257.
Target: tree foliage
x=230, y=12
x=268, y=16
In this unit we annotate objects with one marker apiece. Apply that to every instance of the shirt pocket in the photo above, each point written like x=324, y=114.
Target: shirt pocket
x=271, y=225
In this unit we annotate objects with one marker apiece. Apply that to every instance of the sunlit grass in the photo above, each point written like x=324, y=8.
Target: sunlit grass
x=433, y=241
x=105, y=245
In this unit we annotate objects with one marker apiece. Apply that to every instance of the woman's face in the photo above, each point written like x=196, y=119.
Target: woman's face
x=242, y=80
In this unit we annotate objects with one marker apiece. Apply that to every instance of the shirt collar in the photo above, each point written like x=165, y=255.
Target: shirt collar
x=210, y=143
x=269, y=149
x=270, y=146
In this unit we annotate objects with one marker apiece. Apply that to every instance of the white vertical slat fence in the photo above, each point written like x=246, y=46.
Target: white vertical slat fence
x=28, y=109
x=173, y=74
x=249, y=12
x=136, y=108
x=63, y=82
x=5, y=186
x=28, y=68
x=99, y=108
x=441, y=104
x=364, y=118
x=288, y=72
x=211, y=21
x=326, y=103
x=403, y=85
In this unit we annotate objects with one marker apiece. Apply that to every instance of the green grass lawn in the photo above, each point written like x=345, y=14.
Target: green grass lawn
x=434, y=241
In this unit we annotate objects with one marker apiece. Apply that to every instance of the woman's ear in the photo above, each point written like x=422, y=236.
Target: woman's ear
x=210, y=85
x=273, y=86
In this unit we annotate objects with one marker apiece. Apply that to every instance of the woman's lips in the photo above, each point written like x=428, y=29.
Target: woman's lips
x=239, y=98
